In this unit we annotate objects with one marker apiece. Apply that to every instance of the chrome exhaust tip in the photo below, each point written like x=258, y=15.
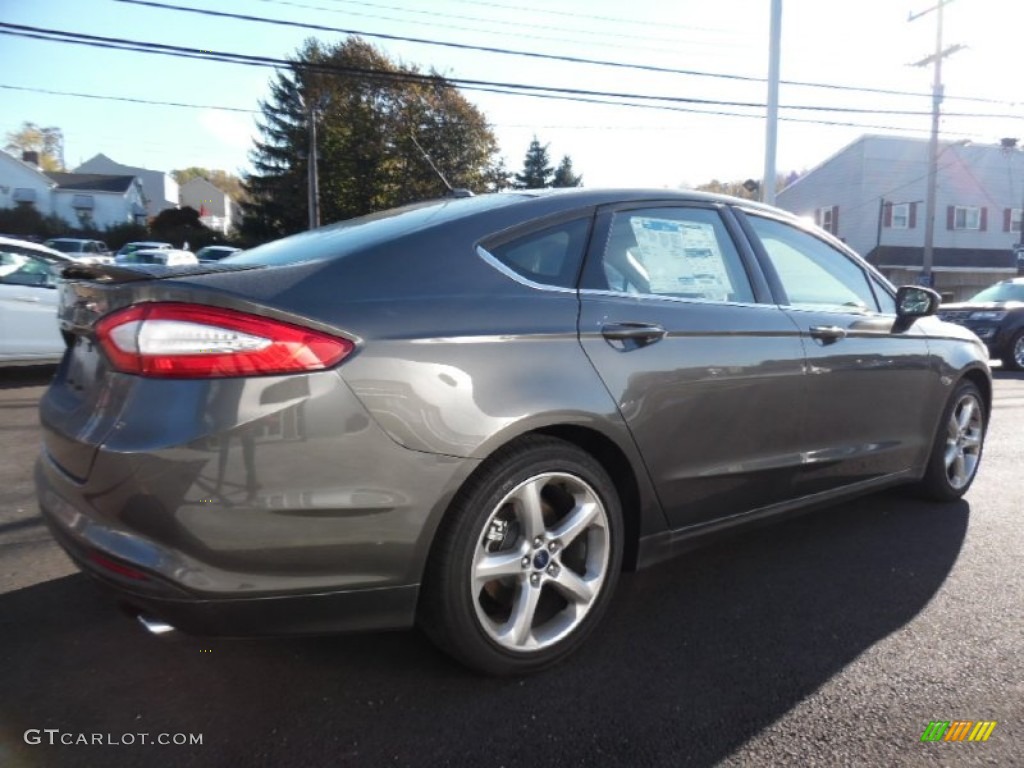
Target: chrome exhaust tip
x=154, y=626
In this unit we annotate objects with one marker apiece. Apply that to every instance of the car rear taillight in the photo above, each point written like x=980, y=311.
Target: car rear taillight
x=174, y=340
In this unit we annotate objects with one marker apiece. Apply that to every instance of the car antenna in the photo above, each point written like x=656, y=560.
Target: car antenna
x=453, y=191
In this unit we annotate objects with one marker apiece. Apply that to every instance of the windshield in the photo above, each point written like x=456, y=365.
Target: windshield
x=67, y=246
x=1001, y=292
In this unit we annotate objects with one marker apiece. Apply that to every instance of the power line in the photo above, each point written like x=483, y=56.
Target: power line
x=504, y=24
x=135, y=100
x=538, y=55
x=591, y=17
x=569, y=94
x=129, y=99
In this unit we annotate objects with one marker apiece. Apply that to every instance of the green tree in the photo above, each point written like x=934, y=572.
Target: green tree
x=48, y=142
x=564, y=176
x=371, y=113
x=537, y=173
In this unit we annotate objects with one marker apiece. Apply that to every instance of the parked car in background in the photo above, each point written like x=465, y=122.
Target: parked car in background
x=142, y=245
x=82, y=249
x=168, y=257
x=216, y=252
x=29, y=275
x=996, y=315
x=473, y=413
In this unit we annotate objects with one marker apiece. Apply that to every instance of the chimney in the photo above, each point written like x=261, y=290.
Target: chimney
x=31, y=157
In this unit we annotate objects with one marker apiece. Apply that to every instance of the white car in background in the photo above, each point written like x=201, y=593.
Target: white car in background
x=168, y=257
x=82, y=249
x=29, y=276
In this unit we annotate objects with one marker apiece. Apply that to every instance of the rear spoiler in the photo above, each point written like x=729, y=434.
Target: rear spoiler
x=129, y=273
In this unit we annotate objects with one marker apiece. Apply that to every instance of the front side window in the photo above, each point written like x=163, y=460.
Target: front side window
x=25, y=269
x=813, y=274
x=678, y=252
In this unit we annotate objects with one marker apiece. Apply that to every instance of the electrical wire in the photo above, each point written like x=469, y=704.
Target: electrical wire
x=433, y=80
x=538, y=55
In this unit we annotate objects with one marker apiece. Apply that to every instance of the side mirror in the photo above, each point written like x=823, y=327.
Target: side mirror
x=916, y=301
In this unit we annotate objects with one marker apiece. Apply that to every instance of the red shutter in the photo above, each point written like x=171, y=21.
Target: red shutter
x=950, y=213
x=984, y=219
x=835, y=220
x=913, y=216
x=887, y=215
x=1007, y=215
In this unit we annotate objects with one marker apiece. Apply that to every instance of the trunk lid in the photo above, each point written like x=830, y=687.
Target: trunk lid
x=82, y=404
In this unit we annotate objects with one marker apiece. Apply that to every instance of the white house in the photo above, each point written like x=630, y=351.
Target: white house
x=216, y=208
x=872, y=194
x=160, y=189
x=96, y=201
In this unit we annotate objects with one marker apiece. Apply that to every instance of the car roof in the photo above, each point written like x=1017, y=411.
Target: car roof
x=30, y=246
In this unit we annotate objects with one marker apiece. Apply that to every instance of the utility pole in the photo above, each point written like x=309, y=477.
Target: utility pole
x=314, y=183
x=928, y=259
x=772, y=118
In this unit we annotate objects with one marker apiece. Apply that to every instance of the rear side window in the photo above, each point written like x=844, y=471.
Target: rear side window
x=550, y=256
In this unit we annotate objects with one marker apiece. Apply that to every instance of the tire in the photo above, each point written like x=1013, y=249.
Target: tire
x=1013, y=360
x=956, y=453
x=526, y=559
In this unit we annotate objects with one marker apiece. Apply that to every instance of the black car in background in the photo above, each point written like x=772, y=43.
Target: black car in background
x=996, y=315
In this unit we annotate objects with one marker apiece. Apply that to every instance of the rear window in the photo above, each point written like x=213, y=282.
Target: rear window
x=355, y=234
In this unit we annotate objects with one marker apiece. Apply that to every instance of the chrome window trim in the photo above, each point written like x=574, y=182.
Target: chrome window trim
x=669, y=297
x=507, y=271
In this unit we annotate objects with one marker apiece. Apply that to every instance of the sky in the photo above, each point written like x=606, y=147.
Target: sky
x=859, y=43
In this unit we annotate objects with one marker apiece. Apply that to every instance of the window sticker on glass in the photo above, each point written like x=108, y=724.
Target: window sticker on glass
x=682, y=258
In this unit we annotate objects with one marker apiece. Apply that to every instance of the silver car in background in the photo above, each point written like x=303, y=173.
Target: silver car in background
x=472, y=414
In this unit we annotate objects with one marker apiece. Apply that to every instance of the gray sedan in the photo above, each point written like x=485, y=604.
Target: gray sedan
x=472, y=414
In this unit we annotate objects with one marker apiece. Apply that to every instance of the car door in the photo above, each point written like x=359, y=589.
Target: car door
x=867, y=411
x=706, y=370
x=28, y=307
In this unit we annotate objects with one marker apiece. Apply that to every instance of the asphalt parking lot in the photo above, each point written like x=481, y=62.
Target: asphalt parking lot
x=830, y=639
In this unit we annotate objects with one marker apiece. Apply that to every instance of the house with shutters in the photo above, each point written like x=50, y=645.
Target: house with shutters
x=82, y=200
x=871, y=194
x=159, y=188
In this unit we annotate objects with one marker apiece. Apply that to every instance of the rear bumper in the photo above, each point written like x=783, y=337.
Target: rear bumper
x=301, y=519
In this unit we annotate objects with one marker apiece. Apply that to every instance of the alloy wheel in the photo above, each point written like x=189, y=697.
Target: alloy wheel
x=964, y=434
x=540, y=562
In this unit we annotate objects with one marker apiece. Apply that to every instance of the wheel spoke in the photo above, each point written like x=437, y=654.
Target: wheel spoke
x=576, y=522
x=531, y=509
x=516, y=630
x=573, y=587
x=950, y=455
x=971, y=440
x=966, y=414
x=959, y=471
x=498, y=566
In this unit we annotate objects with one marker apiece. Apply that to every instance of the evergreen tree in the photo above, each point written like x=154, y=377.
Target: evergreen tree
x=536, y=171
x=564, y=176
x=370, y=115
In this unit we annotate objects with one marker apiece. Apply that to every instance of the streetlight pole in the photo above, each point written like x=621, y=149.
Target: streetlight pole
x=772, y=117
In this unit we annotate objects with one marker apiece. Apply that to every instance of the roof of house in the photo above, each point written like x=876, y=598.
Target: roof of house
x=92, y=182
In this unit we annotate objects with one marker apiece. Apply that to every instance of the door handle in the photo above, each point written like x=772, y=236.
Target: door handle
x=828, y=333
x=27, y=299
x=634, y=334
